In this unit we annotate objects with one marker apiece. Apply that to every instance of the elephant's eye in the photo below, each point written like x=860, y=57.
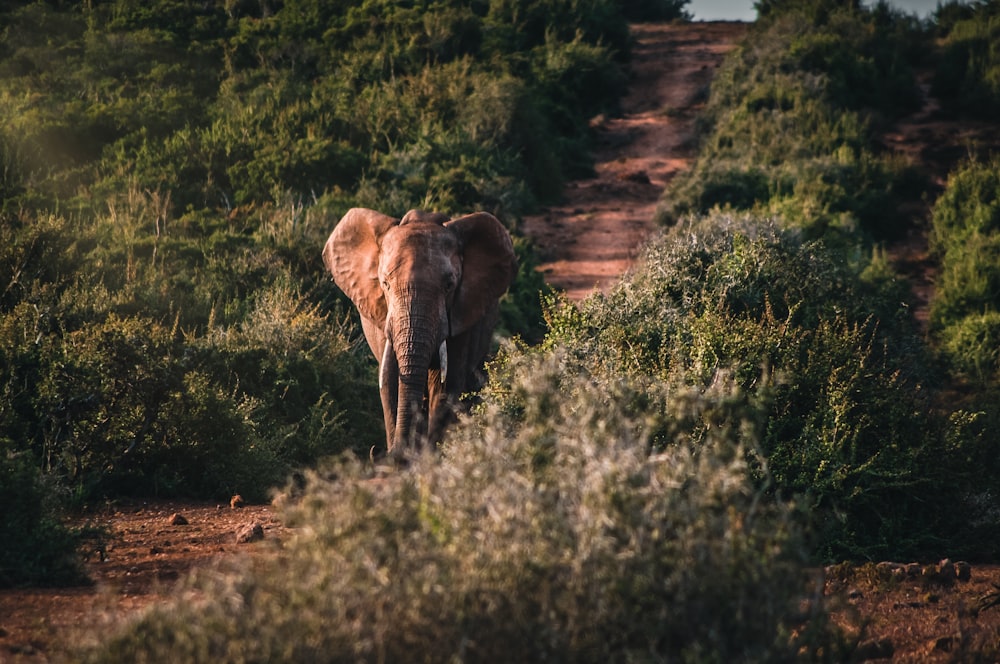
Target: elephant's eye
x=449, y=282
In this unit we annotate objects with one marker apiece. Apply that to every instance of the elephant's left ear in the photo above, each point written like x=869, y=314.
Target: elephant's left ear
x=489, y=267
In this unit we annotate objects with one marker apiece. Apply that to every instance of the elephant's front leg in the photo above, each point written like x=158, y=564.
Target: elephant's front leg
x=439, y=413
x=389, y=391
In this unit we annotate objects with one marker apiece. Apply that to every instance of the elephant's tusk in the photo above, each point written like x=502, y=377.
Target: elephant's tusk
x=443, y=354
x=383, y=367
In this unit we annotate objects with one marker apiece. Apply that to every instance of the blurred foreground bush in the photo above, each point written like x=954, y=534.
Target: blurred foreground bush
x=549, y=533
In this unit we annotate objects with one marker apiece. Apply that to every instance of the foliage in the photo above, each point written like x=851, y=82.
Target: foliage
x=304, y=97
x=966, y=235
x=847, y=424
x=967, y=76
x=35, y=548
x=654, y=10
x=547, y=535
x=788, y=128
x=170, y=172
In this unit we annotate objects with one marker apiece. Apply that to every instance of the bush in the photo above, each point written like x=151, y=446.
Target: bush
x=967, y=76
x=972, y=345
x=118, y=389
x=549, y=534
x=35, y=547
x=847, y=428
x=788, y=127
x=655, y=10
x=966, y=235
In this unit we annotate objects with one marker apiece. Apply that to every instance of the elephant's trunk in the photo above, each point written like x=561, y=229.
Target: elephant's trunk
x=416, y=331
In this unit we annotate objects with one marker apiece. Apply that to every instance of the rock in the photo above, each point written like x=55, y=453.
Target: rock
x=854, y=593
x=963, y=570
x=874, y=649
x=942, y=572
x=946, y=570
x=250, y=533
x=236, y=502
x=913, y=569
x=177, y=519
x=946, y=643
x=889, y=570
x=642, y=177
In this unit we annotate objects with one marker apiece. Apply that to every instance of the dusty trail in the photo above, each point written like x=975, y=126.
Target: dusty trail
x=934, y=144
x=592, y=236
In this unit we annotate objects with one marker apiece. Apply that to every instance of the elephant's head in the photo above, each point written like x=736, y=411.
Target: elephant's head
x=421, y=284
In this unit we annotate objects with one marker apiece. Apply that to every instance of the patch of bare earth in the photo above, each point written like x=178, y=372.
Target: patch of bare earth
x=150, y=545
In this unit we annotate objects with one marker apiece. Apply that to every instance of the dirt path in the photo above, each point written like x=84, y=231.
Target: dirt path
x=934, y=145
x=146, y=551
x=591, y=238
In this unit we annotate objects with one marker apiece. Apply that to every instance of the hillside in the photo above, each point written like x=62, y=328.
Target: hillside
x=586, y=240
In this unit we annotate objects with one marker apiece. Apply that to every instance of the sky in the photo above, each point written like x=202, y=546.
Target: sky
x=742, y=10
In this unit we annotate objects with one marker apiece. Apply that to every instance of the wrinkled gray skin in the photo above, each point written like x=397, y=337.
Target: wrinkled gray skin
x=427, y=289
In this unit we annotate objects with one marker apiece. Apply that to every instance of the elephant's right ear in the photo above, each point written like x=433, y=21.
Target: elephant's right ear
x=351, y=255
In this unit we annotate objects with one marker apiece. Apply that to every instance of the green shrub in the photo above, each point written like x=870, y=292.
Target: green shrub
x=550, y=535
x=847, y=427
x=972, y=344
x=967, y=76
x=141, y=377
x=966, y=235
x=654, y=10
x=35, y=547
x=223, y=107
x=789, y=123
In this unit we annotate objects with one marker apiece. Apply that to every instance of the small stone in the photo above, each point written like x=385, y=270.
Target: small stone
x=889, y=570
x=946, y=570
x=250, y=533
x=945, y=643
x=963, y=570
x=236, y=502
x=854, y=593
x=177, y=519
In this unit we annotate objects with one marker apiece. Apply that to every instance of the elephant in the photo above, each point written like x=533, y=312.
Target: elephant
x=427, y=288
